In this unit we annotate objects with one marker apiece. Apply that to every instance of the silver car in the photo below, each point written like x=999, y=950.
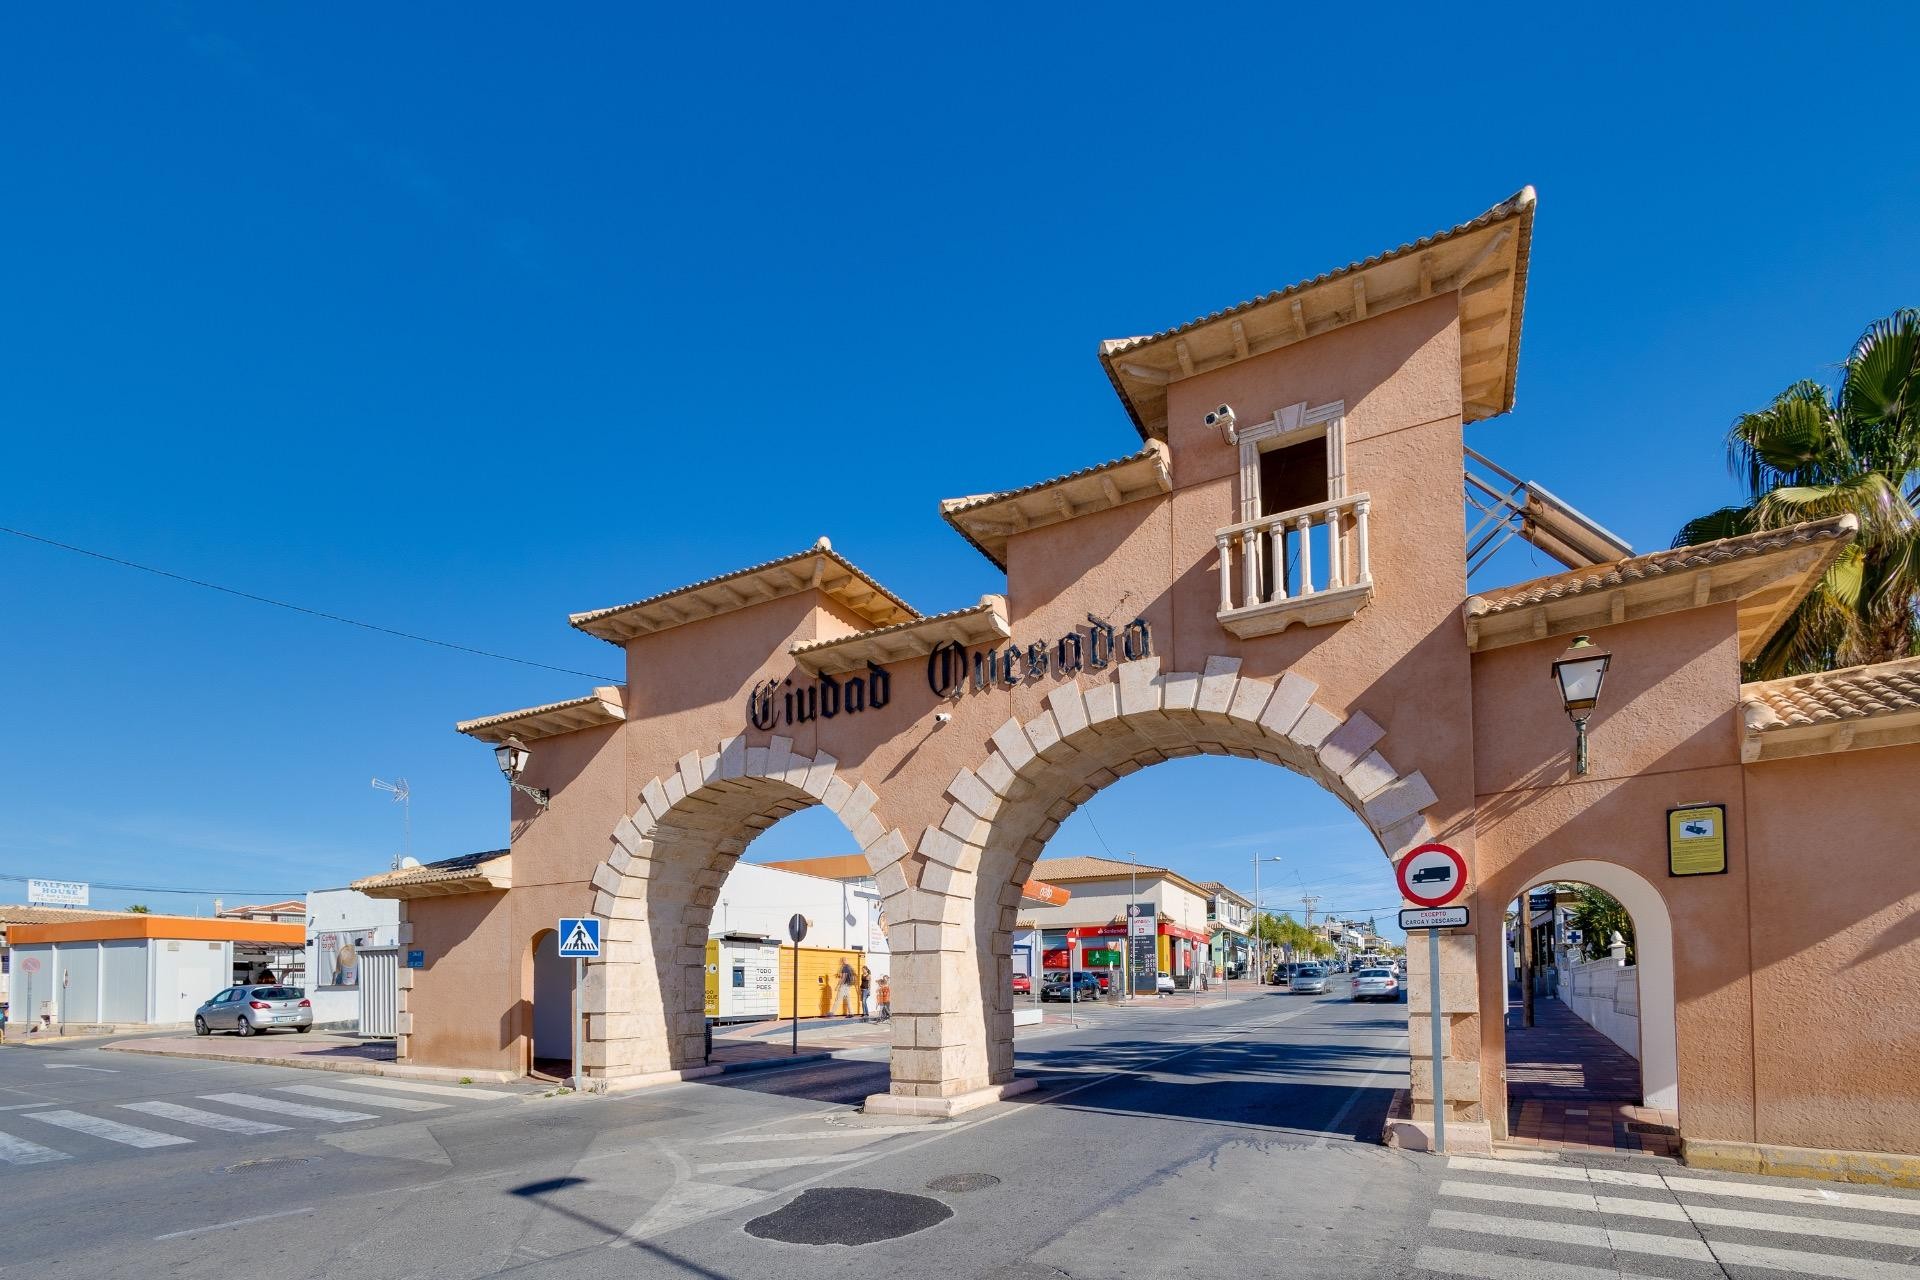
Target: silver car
x=1310, y=980
x=249, y=1009
x=1376, y=984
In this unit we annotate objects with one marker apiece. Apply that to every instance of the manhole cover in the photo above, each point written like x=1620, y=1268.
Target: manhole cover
x=963, y=1182
x=247, y=1166
x=849, y=1215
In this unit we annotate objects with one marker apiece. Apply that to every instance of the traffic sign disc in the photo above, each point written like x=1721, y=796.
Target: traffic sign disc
x=1432, y=875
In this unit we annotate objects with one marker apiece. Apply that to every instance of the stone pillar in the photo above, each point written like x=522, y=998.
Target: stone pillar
x=1467, y=1127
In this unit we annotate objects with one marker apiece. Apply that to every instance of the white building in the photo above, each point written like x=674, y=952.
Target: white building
x=339, y=922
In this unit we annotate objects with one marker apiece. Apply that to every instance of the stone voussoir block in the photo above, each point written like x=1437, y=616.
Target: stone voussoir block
x=1139, y=686
x=1219, y=682
x=1346, y=745
x=1013, y=744
x=1289, y=702
x=1179, y=690
x=1398, y=801
x=1069, y=708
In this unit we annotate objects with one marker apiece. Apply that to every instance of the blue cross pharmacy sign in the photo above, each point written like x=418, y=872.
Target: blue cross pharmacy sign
x=580, y=937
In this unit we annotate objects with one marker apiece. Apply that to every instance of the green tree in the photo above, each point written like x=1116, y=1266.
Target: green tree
x=1598, y=915
x=1813, y=454
x=140, y=908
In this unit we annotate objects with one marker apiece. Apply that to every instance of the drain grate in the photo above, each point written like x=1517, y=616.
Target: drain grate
x=849, y=1215
x=1643, y=1126
x=956, y=1182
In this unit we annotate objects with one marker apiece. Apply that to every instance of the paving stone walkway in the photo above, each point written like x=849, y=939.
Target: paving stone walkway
x=1569, y=1086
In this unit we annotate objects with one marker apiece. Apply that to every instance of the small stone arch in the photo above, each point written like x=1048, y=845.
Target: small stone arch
x=1033, y=776
x=1653, y=961
x=655, y=892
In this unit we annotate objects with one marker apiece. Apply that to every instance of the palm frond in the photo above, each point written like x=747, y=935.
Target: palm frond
x=1884, y=514
x=1727, y=522
x=1882, y=387
x=1794, y=440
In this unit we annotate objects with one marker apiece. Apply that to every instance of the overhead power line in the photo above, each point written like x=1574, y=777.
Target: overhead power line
x=300, y=608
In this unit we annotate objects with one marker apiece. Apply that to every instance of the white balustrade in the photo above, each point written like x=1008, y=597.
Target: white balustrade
x=1277, y=559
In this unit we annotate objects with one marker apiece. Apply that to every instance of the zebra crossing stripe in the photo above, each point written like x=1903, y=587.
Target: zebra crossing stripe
x=1695, y=1186
x=1580, y=1201
x=204, y=1119
x=1491, y=1266
x=277, y=1106
x=19, y=1151
x=367, y=1100
x=110, y=1130
x=440, y=1090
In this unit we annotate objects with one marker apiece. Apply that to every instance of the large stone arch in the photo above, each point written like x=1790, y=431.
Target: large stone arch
x=959, y=1032
x=656, y=890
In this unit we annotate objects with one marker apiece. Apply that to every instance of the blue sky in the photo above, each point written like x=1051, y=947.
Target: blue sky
x=458, y=318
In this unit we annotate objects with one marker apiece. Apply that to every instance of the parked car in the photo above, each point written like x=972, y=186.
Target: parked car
x=1310, y=980
x=1163, y=982
x=1376, y=984
x=1022, y=985
x=249, y=1009
x=1084, y=986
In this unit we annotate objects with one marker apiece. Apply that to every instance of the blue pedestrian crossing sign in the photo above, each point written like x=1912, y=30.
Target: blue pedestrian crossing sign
x=580, y=938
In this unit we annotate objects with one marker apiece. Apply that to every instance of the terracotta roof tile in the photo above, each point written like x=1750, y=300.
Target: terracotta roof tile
x=1828, y=697
x=1656, y=564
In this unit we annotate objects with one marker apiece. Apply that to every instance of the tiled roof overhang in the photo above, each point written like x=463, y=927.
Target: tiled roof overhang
x=984, y=622
x=604, y=705
x=1855, y=709
x=1484, y=261
x=489, y=872
x=1767, y=573
x=988, y=520
x=819, y=567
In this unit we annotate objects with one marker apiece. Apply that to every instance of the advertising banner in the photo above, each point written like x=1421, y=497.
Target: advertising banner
x=57, y=893
x=1143, y=949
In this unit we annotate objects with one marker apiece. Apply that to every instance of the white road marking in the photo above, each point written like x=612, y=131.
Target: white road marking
x=367, y=1100
x=1489, y=1266
x=111, y=1130
x=1830, y=1228
x=237, y=1222
x=1664, y=1210
x=784, y=1162
x=686, y=1203
x=19, y=1151
x=1810, y=1264
x=205, y=1119
x=278, y=1107
x=74, y=1066
x=1793, y=1195
x=444, y=1090
x=838, y=1132
x=1572, y=1233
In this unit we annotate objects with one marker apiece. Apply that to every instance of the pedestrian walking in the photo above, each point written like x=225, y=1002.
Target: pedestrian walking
x=843, y=991
x=866, y=996
x=883, y=995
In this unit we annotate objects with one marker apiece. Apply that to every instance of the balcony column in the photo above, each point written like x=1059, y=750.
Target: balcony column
x=1336, y=563
x=1305, y=525
x=1361, y=567
x=1226, y=572
x=1278, y=535
x=1250, y=567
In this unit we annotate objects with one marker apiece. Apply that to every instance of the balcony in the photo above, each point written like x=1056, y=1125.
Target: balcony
x=1273, y=562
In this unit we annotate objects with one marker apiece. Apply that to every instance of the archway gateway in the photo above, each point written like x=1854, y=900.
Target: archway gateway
x=1278, y=572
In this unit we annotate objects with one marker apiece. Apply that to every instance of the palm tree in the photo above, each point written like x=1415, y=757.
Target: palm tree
x=1811, y=454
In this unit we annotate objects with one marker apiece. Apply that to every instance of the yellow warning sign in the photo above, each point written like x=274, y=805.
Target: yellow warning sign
x=1697, y=840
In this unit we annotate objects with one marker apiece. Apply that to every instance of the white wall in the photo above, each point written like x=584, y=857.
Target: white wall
x=344, y=913
x=757, y=899
x=1606, y=996
x=1100, y=901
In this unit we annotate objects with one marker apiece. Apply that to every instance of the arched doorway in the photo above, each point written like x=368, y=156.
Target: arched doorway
x=1654, y=1035
x=550, y=1024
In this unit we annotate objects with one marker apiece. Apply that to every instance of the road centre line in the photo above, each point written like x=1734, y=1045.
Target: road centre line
x=237, y=1222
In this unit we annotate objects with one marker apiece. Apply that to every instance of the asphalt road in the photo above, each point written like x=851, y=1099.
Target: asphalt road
x=1165, y=1140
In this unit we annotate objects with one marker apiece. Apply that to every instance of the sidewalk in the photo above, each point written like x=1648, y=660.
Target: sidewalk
x=318, y=1051
x=1568, y=1086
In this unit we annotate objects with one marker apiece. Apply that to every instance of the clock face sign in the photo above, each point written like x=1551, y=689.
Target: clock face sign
x=1432, y=875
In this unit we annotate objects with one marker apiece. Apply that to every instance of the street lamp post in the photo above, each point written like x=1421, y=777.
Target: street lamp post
x=1259, y=937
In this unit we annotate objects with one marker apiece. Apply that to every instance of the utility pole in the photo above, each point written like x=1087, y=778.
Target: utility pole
x=1310, y=901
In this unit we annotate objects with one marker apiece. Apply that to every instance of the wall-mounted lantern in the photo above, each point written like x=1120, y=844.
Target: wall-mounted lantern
x=512, y=756
x=1581, y=670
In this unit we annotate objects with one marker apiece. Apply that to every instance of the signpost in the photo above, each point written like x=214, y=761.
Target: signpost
x=416, y=959
x=797, y=930
x=57, y=893
x=580, y=940
x=1433, y=876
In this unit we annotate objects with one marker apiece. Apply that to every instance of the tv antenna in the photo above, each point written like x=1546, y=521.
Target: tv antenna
x=403, y=797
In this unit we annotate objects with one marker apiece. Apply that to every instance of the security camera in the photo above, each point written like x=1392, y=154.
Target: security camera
x=1223, y=419
x=943, y=717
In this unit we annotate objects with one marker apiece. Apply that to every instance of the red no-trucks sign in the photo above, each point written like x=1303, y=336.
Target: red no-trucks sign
x=1432, y=875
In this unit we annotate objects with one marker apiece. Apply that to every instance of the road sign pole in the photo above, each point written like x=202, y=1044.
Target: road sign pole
x=1439, y=1072
x=796, y=998
x=579, y=1000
